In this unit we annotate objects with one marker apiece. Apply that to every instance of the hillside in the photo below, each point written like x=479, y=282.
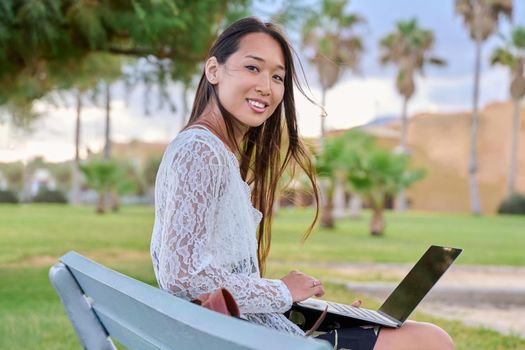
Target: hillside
x=441, y=144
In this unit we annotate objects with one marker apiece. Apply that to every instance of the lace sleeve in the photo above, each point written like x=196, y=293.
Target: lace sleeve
x=195, y=179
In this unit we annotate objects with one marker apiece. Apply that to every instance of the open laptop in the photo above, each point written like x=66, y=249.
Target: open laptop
x=403, y=300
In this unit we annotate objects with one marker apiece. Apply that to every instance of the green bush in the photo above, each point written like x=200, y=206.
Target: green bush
x=46, y=195
x=7, y=196
x=513, y=205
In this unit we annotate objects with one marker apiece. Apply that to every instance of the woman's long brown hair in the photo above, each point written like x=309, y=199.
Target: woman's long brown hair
x=261, y=165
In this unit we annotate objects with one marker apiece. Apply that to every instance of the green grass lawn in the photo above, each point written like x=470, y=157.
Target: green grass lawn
x=495, y=240
x=33, y=237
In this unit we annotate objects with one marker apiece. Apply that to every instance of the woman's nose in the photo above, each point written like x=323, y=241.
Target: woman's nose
x=264, y=85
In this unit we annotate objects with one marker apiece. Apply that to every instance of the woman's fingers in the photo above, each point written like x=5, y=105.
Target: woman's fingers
x=319, y=292
x=357, y=303
x=302, y=286
x=316, y=283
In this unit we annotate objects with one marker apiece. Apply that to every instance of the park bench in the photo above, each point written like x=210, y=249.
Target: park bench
x=104, y=305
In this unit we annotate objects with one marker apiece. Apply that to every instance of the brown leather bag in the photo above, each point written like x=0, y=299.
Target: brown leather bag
x=219, y=300
x=222, y=301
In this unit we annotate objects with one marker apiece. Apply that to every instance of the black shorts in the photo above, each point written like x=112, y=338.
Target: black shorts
x=355, y=338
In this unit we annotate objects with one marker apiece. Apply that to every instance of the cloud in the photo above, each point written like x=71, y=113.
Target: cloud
x=53, y=135
x=354, y=101
x=349, y=103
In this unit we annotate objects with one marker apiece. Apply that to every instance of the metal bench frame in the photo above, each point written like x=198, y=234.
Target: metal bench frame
x=103, y=304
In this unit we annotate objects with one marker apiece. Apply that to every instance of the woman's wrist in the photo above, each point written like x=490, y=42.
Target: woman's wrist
x=286, y=293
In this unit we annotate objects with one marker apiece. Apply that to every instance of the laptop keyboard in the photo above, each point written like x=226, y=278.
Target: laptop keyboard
x=360, y=313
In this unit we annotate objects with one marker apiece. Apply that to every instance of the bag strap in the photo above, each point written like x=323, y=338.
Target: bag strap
x=317, y=323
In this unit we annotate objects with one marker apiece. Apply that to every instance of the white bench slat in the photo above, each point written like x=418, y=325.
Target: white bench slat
x=143, y=317
x=90, y=331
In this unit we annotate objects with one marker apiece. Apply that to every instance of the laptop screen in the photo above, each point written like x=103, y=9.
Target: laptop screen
x=416, y=284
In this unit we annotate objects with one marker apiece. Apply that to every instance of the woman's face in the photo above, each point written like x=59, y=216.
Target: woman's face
x=250, y=84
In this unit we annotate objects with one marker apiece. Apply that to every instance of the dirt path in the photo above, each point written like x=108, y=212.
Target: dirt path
x=506, y=320
x=489, y=296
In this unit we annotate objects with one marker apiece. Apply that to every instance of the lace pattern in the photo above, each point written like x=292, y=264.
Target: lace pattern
x=204, y=235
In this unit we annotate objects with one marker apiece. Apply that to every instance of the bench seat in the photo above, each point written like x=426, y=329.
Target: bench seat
x=103, y=304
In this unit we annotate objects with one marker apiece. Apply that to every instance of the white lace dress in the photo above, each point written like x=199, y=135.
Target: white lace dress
x=204, y=236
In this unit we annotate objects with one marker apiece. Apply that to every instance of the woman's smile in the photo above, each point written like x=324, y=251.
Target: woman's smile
x=256, y=105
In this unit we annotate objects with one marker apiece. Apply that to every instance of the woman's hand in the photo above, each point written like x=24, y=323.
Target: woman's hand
x=302, y=286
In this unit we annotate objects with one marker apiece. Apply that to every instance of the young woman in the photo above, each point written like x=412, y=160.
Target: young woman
x=216, y=184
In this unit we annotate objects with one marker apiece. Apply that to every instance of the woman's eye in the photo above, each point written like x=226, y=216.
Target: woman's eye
x=278, y=77
x=252, y=68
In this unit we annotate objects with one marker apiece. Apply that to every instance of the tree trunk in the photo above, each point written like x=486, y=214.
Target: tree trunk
x=327, y=219
x=115, y=202
x=323, y=118
x=101, y=203
x=377, y=224
x=185, y=107
x=113, y=196
x=75, y=178
x=356, y=204
x=401, y=203
x=475, y=205
x=107, y=146
x=404, y=118
x=511, y=180
x=339, y=199
x=151, y=195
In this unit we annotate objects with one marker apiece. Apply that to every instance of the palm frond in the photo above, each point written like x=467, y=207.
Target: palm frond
x=504, y=57
x=488, y=11
x=408, y=47
x=436, y=61
x=518, y=37
x=330, y=41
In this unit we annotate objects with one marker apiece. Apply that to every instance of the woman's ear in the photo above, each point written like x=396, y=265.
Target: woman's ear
x=212, y=70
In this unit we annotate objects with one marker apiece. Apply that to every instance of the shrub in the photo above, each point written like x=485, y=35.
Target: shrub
x=46, y=195
x=513, y=205
x=7, y=196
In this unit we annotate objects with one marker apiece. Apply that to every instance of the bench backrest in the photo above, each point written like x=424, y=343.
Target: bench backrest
x=103, y=304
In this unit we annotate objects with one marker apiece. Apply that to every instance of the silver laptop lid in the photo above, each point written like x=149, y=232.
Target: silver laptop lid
x=416, y=284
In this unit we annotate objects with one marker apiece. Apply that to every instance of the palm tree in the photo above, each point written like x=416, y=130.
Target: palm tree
x=409, y=48
x=378, y=174
x=513, y=57
x=107, y=129
x=372, y=172
x=334, y=47
x=481, y=17
x=102, y=176
x=107, y=75
x=329, y=167
x=106, y=176
x=149, y=175
x=79, y=79
x=332, y=164
x=75, y=174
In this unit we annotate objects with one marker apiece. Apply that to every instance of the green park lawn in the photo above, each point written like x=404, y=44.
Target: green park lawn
x=32, y=237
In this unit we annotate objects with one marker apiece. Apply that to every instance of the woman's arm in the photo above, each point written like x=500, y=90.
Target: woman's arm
x=186, y=266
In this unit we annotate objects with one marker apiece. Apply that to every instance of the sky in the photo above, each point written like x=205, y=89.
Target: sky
x=355, y=100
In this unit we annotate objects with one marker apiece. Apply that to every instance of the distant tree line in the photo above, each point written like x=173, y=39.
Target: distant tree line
x=80, y=47
x=329, y=33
